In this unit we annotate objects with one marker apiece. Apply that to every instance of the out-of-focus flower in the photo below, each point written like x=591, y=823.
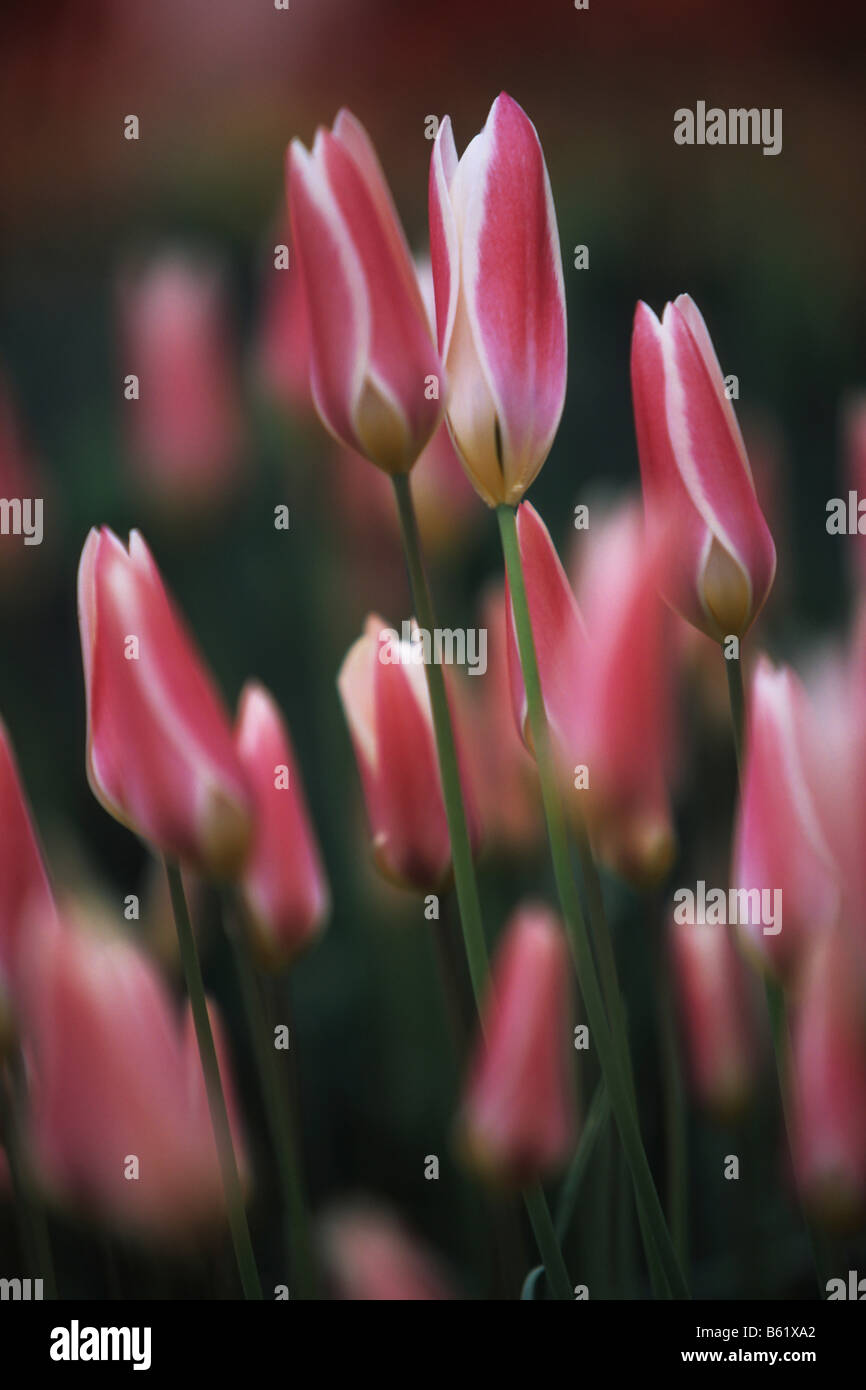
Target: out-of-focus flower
x=720, y=1029
x=779, y=840
x=24, y=892
x=605, y=685
x=160, y=752
x=283, y=353
x=829, y=1082
x=283, y=887
x=854, y=469
x=505, y=774
x=120, y=1125
x=500, y=301
x=184, y=431
x=383, y=690
x=698, y=490
x=377, y=380
x=370, y=1257
x=518, y=1120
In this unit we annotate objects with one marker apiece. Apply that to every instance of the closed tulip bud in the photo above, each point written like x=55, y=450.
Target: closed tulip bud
x=120, y=1125
x=369, y=1257
x=829, y=1083
x=698, y=490
x=518, y=1120
x=605, y=685
x=24, y=892
x=500, y=301
x=184, y=430
x=720, y=1031
x=160, y=752
x=377, y=380
x=383, y=690
x=779, y=839
x=283, y=887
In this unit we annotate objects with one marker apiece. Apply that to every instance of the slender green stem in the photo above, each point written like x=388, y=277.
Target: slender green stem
x=596, y=1118
x=737, y=696
x=613, y=1067
x=28, y=1205
x=299, y=1246
x=676, y=1141
x=237, y=1217
x=461, y=848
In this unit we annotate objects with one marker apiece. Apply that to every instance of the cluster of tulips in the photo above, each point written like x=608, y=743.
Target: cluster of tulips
x=466, y=362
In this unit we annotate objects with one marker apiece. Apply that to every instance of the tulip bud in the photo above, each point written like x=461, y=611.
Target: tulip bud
x=518, y=1120
x=120, y=1124
x=24, y=892
x=829, y=1081
x=779, y=840
x=383, y=690
x=698, y=490
x=718, y=1018
x=500, y=301
x=376, y=377
x=283, y=886
x=370, y=1257
x=160, y=753
x=184, y=429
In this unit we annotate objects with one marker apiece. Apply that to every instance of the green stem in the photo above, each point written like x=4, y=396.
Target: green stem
x=737, y=697
x=674, y=1106
x=614, y=1069
x=596, y=1118
x=297, y=1239
x=237, y=1217
x=461, y=849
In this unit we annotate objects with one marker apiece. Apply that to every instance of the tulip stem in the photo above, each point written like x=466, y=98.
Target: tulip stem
x=237, y=1217
x=737, y=696
x=461, y=849
x=614, y=1067
x=297, y=1232
x=596, y=1118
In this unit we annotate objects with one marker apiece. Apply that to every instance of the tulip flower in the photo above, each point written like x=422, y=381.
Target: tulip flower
x=721, y=1041
x=605, y=686
x=283, y=357
x=184, y=430
x=370, y=1257
x=160, y=753
x=518, y=1118
x=376, y=377
x=698, y=490
x=283, y=887
x=779, y=839
x=500, y=301
x=829, y=1083
x=383, y=690
x=120, y=1125
x=24, y=892
x=854, y=435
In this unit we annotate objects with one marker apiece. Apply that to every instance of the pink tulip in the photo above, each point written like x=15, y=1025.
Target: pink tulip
x=383, y=689
x=829, y=1082
x=518, y=1120
x=370, y=1257
x=160, y=752
x=779, y=840
x=283, y=887
x=24, y=892
x=500, y=301
x=284, y=345
x=698, y=489
x=605, y=686
x=184, y=431
x=721, y=1041
x=116, y=1077
x=854, y=434
x=376, y=376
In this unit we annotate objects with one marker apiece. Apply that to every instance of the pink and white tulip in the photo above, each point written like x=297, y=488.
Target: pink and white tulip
x=377, y=379
x=283, y=886
x=500, y=300
x=370, y=1257
x=698, y=489
x=160, y=752
x=25, y=895
x=518, y=1119
x=780, y=839
x=116, y=1077
x=383, y=690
